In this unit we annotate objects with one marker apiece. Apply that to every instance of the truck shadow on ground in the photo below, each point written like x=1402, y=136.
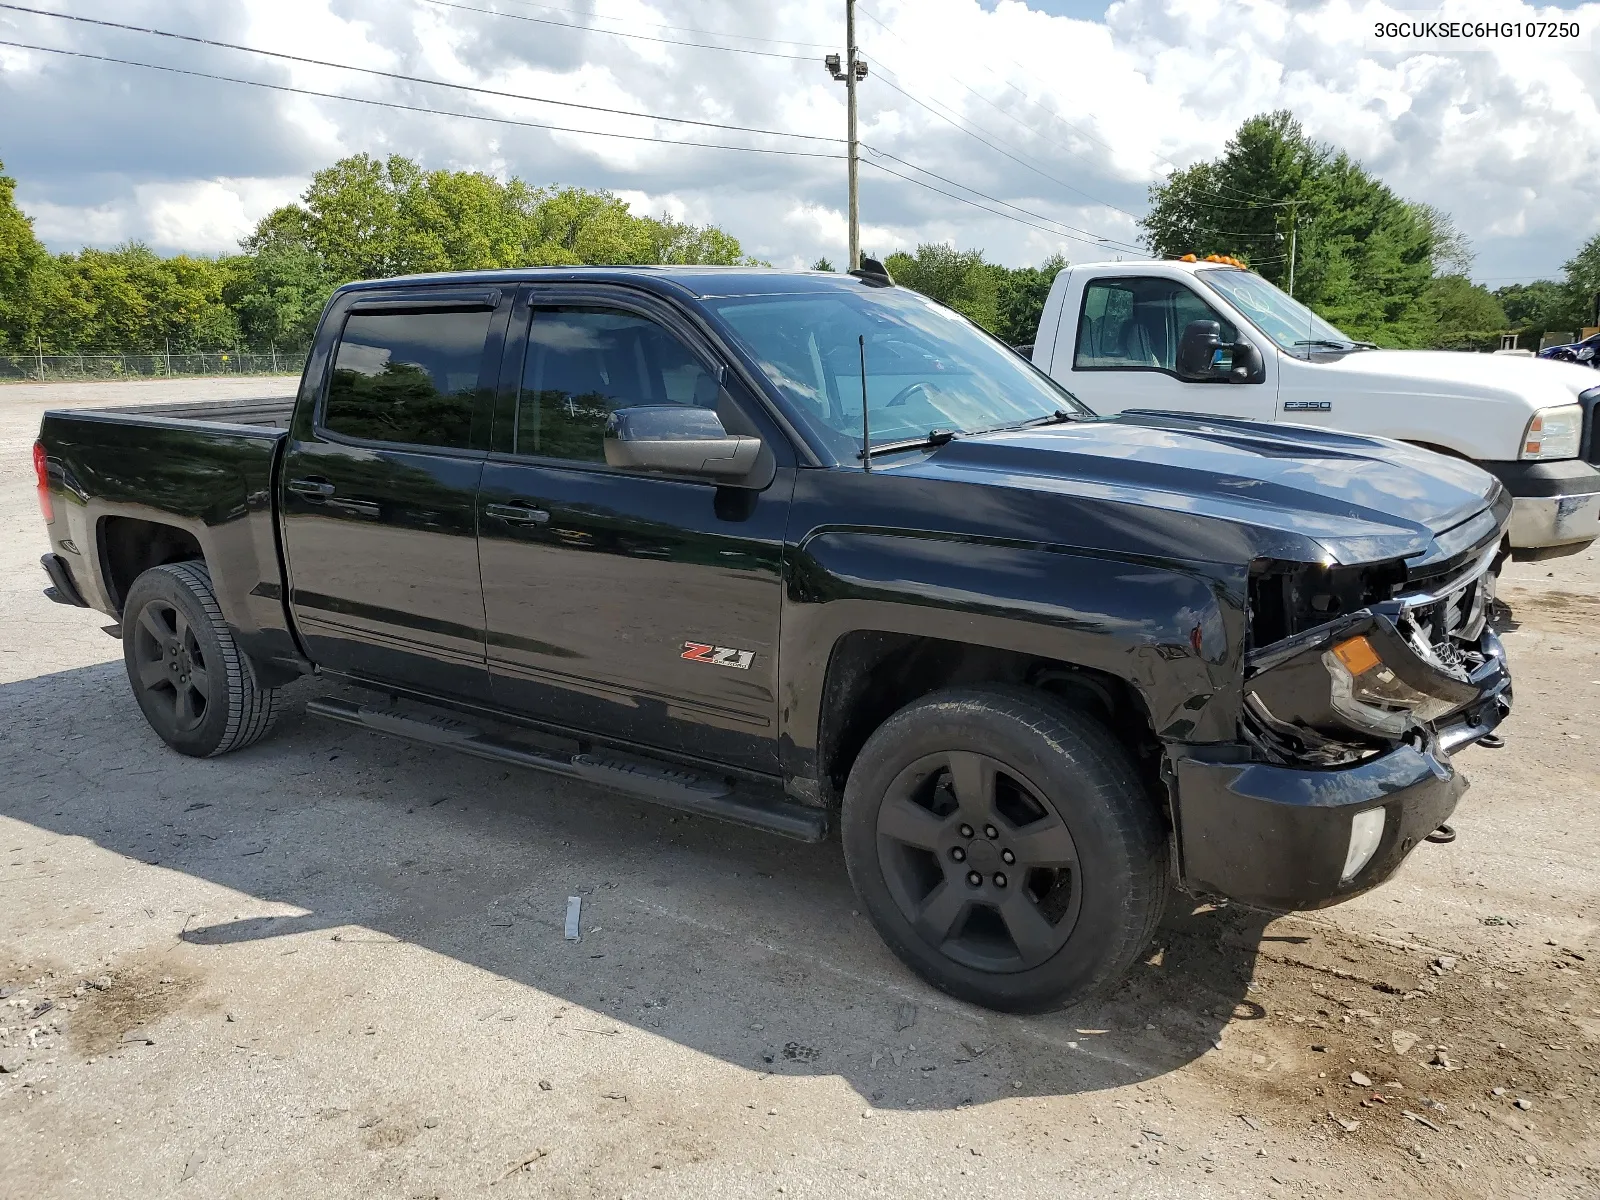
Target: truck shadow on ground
x=729, y=942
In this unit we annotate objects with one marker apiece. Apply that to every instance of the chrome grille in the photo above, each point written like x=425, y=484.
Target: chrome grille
x=1440, y=623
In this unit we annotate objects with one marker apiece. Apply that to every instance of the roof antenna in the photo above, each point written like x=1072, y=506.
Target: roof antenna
x=866, y=433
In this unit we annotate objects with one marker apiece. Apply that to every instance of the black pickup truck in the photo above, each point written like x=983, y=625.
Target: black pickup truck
x=620, y=525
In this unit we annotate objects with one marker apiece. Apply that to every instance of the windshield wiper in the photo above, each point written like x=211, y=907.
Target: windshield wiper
x=934, y=437
x=1337, y=345
x=1056, y=418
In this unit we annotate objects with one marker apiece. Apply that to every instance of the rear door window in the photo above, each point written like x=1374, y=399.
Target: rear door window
x=409, y=377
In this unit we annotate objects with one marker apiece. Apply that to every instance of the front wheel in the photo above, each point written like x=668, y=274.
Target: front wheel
x=1004, y=847
x=196, y=688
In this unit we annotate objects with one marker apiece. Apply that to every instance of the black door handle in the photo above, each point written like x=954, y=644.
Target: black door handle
x=313, y=488
x=517, y=514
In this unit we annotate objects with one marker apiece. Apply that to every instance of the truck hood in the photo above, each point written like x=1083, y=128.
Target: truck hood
x=1536, y=383
x=1327, y=496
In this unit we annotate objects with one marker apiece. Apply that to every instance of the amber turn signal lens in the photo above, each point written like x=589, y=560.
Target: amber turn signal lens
x=1357, y=655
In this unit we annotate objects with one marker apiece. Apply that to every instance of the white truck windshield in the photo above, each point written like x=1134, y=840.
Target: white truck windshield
x=1293, y=326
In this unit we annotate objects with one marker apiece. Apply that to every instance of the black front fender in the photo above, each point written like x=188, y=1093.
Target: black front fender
x=1174, y=632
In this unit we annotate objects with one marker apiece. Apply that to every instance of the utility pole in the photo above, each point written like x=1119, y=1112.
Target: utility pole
x=850, y=75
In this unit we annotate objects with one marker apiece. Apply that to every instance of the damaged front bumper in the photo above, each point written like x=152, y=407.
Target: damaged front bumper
x=1344, y=763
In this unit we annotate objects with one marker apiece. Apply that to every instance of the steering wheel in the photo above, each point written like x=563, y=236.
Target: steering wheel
x=904, y=393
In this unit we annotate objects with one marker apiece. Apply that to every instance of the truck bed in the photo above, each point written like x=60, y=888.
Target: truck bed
x=151, y=483
x=271, y=411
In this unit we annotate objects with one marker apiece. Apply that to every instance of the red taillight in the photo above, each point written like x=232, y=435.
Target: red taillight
x=41, y=471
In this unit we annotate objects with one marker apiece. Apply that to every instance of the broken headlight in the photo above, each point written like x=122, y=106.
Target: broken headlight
x=1371, y=695
x=1352, y=688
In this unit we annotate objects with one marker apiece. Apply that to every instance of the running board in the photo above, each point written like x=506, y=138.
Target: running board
x=673, y=786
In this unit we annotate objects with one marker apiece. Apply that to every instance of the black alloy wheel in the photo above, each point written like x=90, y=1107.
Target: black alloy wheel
x=171, y=669
x=979, y=861
x=197, y=689
x=1005, y=846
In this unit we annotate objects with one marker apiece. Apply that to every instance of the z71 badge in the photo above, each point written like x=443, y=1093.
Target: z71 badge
x=718, y=656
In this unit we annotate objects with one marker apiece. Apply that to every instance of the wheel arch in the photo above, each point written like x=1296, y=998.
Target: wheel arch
x=1438, y=449
x=871, y=674
x=1168, y=634
x=130, y=546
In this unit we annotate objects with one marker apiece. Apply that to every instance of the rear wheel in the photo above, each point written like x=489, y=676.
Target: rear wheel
x=1004, y=847
x=196, y=688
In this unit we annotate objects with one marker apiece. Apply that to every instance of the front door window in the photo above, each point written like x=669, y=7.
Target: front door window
x=1135, y=324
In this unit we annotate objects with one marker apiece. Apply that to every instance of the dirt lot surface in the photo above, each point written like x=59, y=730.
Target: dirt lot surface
x=334, y=965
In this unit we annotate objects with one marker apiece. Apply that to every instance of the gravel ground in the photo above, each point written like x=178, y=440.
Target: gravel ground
x=333, y=965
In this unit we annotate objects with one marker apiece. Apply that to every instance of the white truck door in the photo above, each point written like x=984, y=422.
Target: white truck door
x=1119, y=349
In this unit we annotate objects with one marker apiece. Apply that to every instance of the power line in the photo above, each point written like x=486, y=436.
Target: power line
x=436, y=112
x=1054, y=116
x=994, y=143
x=996, y=212
x=743, y=37
x=459, y=87
x=641, y=37
x=1088, y=234
x=1239, y=206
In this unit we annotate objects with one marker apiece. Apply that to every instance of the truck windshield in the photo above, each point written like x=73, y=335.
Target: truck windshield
x=1293, y=326
x=928, y=370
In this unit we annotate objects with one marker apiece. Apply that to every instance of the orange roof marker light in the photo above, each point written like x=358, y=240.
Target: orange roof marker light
x=1226, y=260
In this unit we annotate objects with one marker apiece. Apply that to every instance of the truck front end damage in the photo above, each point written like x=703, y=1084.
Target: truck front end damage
x=1359, y=684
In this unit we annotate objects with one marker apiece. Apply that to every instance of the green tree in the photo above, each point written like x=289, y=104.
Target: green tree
x=1583, y=283
x=1364, y=257
x=1466, y=314
x=129, y=300
x=278, y=293
x=822, y=264
x=957, y=278
x=24, y=265
x=674, y=241
x=1022, y=292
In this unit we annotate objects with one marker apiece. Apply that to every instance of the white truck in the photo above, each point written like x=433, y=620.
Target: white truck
x=1208, y=337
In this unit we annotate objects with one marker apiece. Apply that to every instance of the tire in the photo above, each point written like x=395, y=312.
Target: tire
x=949, y=787
x=196, y=688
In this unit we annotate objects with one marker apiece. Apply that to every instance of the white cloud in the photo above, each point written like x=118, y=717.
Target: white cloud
x=208, y=215
x=1094, y=110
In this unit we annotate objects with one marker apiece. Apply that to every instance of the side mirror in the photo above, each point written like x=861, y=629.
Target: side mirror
x=681, y=439
x=1197, y=350
x=1248, y=366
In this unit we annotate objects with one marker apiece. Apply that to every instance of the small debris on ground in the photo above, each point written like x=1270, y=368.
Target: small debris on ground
x=1360, y=1080
x=574, y=907
x=905, y=1016
x=541, y=1152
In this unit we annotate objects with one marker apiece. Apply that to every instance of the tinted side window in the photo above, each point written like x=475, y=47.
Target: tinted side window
x=584, y=363
x=1137, y=323
x=408, y=377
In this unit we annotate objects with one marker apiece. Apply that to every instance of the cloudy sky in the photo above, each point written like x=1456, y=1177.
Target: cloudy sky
x=1055, y=113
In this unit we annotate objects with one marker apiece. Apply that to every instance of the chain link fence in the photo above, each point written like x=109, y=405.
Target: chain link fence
x=49, y=367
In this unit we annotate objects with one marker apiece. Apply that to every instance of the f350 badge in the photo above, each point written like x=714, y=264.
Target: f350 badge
x=718, y=656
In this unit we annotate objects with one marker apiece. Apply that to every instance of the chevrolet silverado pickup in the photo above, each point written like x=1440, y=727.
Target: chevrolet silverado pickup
x=804, y=552
x=1175, y=334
